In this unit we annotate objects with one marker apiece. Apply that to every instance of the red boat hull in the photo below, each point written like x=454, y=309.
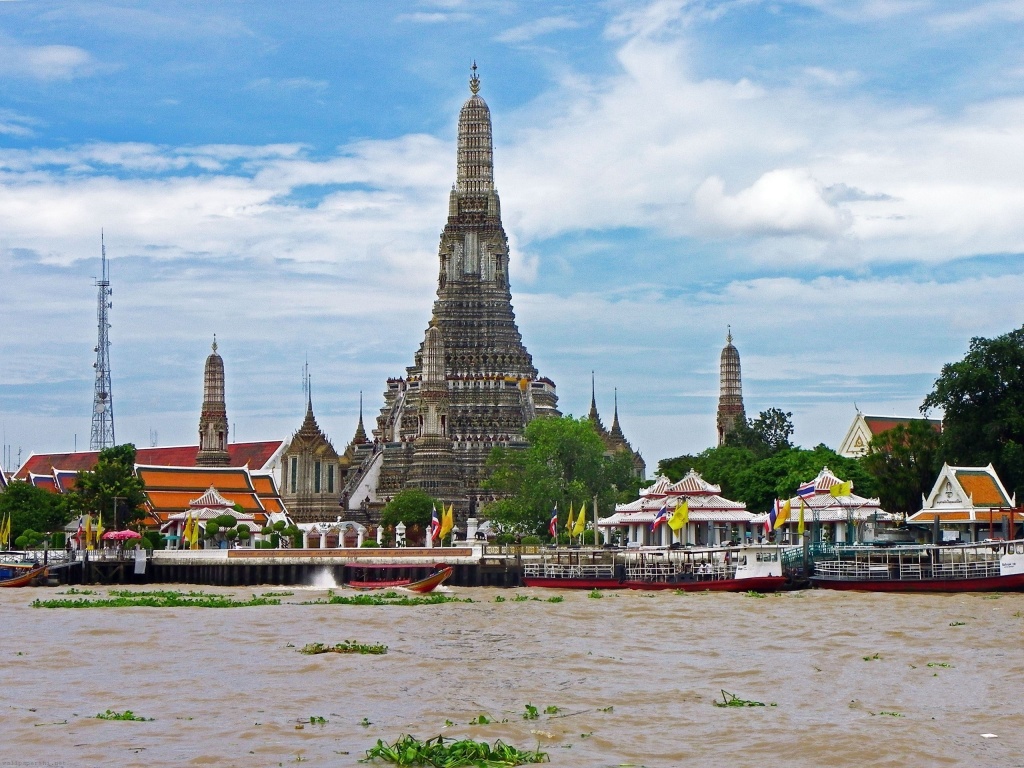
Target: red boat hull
x=983, y=584
x=580, y=583
x=755, y=584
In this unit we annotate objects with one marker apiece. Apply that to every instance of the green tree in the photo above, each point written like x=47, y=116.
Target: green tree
x=904, y=461
x=112, y=481
x=412, y=506
x=982, y=399
x=33, y=509
x=767, y=434
x=563, y=464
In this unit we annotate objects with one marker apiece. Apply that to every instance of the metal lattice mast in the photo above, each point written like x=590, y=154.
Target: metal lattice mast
x=102, y=401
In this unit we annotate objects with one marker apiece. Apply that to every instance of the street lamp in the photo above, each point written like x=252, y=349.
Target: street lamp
x=116, y=499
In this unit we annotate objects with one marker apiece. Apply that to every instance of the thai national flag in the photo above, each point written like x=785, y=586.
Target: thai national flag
x=806, y=490
x=553, y=525
x=660, y=518
x=435, y=526
x=769, y=524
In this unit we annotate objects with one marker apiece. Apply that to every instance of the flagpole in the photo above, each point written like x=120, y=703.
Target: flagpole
x=596, y=543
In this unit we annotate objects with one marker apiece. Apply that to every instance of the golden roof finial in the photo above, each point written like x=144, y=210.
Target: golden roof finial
x=474, y=81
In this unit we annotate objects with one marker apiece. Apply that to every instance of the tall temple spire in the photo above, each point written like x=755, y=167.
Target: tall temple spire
x=730, y=398
x=616, y=429
x=492, y=386
x=360, y=436
x=593, y=415
x=213, y=420
x=102, y=435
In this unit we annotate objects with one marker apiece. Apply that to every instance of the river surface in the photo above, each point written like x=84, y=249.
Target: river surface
x=849, y=679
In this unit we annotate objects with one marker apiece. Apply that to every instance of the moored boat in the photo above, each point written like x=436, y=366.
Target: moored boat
x=21, y=574
x=374, y=577
x=757, y=567
x=991, y=566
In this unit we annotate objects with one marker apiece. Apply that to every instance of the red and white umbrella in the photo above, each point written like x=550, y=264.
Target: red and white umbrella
x=121, y=535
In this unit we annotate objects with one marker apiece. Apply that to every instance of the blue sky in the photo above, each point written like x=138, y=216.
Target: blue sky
x=839, y=181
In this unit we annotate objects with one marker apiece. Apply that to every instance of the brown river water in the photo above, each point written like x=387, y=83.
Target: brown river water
x=227, y=687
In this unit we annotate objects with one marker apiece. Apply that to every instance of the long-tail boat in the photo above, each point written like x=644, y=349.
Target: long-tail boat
x=372, y=577
x=21, y=574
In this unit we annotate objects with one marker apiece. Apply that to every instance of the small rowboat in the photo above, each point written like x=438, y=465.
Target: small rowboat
x=22, y=575
x=427, y=584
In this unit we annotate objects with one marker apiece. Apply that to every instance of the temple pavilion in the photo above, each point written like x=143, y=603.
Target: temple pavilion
x=970, y=504
x=713, y=519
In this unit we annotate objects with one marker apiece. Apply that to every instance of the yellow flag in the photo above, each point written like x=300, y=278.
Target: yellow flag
x=99, y=527
x=88, y=531
x=5, y=531
x=447, y=520
x=800, y=525
x=680, y=517
x=193, y=541
x=581, y=521
x=570, y=522
x=186, y=534
x=783, y=517
x=841, y=489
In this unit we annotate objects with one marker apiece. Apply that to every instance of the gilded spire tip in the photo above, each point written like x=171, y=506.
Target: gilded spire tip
x=214, y=346
x=474, y=80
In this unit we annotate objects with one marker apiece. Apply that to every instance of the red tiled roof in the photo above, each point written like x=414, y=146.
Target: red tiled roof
x=880, y=424
x=982, y=488
x=45, y=482
x=256, y=455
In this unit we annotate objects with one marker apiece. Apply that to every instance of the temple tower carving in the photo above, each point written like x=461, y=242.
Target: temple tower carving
x=730, y=398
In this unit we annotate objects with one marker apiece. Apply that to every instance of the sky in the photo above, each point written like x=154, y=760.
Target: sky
x=838, y=181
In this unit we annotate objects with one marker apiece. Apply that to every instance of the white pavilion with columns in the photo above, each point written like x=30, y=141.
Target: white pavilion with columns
x=713, y=519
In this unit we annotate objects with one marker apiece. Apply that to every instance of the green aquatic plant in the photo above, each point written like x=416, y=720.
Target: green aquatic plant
x=157, y=600
x=365, y=722
x=347, y=646
x=391, y=598
x=890, y=714
x=499, y=599
x=126, y=715
x=732, y=700
x=595, y=593
x=481, y=720
x=520, y=598
x=609, y=710
x=958, y=623
x=551, y=709
x=942, y=664
x=556, y=599
x=875, y=657
x=531, y=713
x=277, y=594
x=754, y=593
x=451, y=753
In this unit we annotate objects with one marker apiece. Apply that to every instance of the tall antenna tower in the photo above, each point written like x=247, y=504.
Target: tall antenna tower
x=102, y=401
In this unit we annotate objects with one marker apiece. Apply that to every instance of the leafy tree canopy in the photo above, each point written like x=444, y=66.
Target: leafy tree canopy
x=758, y=482
x=33, y=509
x=112, y=481
x=982, y=399
x=904, y=461
x=563, y=464
x=767, y=434
x=412, y=506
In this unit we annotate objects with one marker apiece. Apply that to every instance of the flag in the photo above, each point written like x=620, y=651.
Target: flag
x=80, y=532
x=435, y=525
x=99, y=527
x=581, y=521
x=186, y=534
x=447, y=521
x=553, y=525
x=88, y=531
x=659, y=518
x=5, y=531
x=806, y=490
x=800, y=525
x=570, y=522
x=193, y=541
x=841, y=489
x=680, y=517
x=783, y=516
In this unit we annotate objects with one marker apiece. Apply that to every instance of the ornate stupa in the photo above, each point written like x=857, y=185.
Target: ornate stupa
x=213, y=419
x=472, y=385
x=730, y=397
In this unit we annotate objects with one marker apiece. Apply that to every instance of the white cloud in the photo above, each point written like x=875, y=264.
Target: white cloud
x=781, y=202
x=985, y=13
x=45, y=62
x=537, y=28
